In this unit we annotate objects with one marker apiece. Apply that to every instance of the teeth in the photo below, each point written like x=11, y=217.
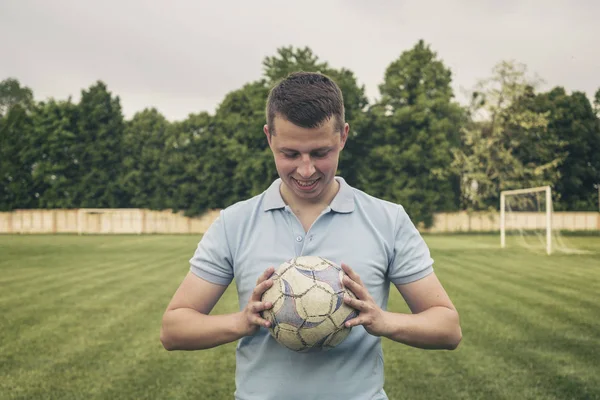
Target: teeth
x=309, y=183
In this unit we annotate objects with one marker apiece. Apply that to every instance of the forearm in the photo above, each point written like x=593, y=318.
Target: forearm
x=187, y=329
x=435, y=328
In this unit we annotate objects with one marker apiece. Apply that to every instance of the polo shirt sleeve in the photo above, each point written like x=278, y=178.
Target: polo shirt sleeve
x=411, y=259
x=212, y=260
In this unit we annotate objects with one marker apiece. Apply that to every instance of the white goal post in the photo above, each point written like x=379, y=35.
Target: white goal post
x=548, y=212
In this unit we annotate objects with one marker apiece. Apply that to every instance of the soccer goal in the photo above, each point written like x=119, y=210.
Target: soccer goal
x=527, y=220
x=526, y=215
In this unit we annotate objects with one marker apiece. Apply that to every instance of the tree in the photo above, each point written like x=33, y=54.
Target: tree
x=12, y=93
x=55, y=140
x=413, y=129
x=198, y=166
x=497, y=142
x=573, y=123
x=240, y=117
x=143, y=149
x=99, y=149
x=17, y=154
x=16, y=160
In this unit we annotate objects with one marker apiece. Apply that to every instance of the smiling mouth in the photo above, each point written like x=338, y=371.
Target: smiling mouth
x=306, y=184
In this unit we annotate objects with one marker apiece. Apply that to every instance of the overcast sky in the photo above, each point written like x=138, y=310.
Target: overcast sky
x=185, y=56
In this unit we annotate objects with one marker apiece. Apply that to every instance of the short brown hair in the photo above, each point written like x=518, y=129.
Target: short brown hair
x=306, y=99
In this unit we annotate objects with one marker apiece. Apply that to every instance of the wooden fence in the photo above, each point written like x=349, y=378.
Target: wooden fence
x=142, y=221
x=490, y=221
x=103, y=221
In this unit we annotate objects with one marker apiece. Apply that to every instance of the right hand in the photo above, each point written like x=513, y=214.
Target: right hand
x=250, y=316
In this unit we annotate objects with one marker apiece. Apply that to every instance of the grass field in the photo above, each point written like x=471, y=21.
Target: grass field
x=80, y=319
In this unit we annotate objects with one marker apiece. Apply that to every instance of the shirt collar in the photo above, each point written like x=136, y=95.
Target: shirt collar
x=343, y=202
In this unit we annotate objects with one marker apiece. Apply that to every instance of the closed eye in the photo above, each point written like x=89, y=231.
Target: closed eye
x=321, y=154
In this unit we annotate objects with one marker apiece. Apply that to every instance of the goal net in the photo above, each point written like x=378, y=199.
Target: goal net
x=526, y=220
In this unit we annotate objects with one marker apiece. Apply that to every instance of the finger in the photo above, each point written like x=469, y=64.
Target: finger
x=265, y=275
x=260, y=289
x=257, y=320
x=263, y=322
x=357, y=304
x=358, y=290
x=353, y=322
x=350, y=272
x=259, y=306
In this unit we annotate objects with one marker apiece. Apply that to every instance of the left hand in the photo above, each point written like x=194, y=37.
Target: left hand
x=371, y=316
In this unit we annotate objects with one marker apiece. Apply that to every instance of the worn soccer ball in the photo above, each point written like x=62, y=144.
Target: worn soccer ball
x=308, y=312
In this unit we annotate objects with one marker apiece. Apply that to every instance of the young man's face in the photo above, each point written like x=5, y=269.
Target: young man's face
x=307, y=159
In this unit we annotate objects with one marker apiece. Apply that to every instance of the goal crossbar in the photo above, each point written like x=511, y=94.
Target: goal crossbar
x=529, y=190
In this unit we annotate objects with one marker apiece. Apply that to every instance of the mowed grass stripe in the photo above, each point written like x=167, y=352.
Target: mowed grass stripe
x=129, y=354
x=450, y=375
x=153, y=374
x=549, y=269
x=478, y=307
x=93, y=337
x=575, y=290
x=532, y=292
x=59, y=288
x=516, y=344
x=51, y=284
x=63, y=260
x=65, y=297
x=80, y=297
x=503, y=357
x=532, y=303
x=537, y=327
x=94, y=269
x=520, y=329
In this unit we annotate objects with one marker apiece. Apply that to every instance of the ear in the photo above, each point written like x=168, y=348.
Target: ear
x=344, y=135
x=266, y=131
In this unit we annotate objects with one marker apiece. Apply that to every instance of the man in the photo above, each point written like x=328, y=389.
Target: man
x=308, y=210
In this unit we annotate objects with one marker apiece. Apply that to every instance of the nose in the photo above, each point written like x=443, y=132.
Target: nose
x=306, y=168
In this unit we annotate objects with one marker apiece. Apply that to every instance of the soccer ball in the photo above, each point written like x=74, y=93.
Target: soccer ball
x=308, y=312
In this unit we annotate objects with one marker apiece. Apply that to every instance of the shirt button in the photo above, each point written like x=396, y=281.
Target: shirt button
x=298, y=238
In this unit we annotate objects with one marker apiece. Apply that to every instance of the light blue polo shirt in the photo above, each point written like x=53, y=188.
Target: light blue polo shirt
x=374, y=237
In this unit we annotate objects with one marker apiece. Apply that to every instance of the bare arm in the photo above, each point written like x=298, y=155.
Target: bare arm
x=188, y=325
x=433, y=324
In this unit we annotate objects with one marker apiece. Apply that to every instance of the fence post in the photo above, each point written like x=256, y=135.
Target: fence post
x=54, y=221
x=143, y=227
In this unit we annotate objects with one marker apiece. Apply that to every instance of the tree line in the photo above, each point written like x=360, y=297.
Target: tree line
x=415, y=145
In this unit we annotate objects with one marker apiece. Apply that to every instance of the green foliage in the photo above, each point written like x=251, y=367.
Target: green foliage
x=99, y=149
x=18, y=156
x=499, y=142
x=143, y=150
x=239, y=120
x=17, y=160
x=55, y=142
x=11, y=93
x=412, y=132
x=415, y=145
x=573, y=123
